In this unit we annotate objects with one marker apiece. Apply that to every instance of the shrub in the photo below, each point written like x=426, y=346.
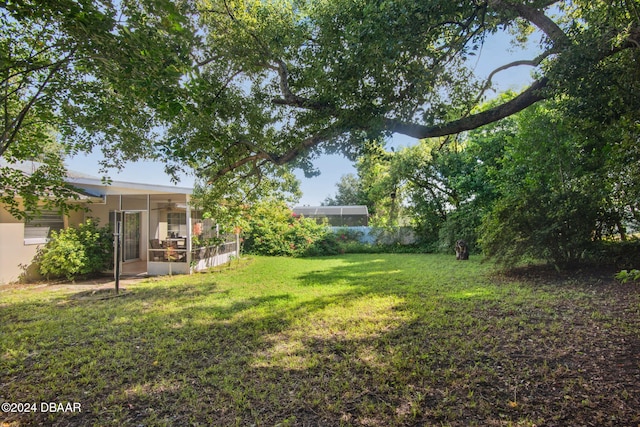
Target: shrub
x=555, y=227
x=327, y=244
x=77, y=252
x=625, y=276
x=274, y=230
x=620, y=254
x=462, y=223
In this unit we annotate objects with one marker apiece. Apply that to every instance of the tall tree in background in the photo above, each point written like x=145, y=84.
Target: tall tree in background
x=349, y=192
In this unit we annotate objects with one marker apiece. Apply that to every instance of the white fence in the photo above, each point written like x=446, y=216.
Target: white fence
x=212, y=256
x=381, y=236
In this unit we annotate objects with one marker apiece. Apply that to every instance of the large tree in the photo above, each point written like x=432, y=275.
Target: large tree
x=558, y=190
x=237, y=89
x=349, y=192
x=282, y=81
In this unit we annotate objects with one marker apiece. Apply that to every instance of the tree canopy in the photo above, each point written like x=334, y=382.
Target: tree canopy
x=83, y=74
x=303, y=77
x=349, y=192
x=241, y=90
x=539, y=185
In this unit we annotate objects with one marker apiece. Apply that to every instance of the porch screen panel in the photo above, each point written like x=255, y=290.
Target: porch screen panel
x=177, y=224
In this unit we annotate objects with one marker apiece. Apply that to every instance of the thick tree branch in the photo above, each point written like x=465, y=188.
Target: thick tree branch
x=303, y=146
x=536, y=92
x=281, y=159
x=235, y=165
x=529, y=97
x=537, y=18
x=289, y=98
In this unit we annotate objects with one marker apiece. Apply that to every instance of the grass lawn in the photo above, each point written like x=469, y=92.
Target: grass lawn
x=362, y=340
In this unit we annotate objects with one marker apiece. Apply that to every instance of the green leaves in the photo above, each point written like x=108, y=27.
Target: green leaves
x=350, y=192
x=239, y=88
x=77, y=252
x=32, y=186
x=556, y=195
x=625, y=276
x=273, y=229
x=71, y=74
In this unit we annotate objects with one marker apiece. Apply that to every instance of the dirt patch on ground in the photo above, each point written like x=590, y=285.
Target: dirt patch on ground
x=100, y=294
x=102, y=283
x=597, y=367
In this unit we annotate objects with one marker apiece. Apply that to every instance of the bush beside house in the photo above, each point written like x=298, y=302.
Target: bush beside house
x=77, y=252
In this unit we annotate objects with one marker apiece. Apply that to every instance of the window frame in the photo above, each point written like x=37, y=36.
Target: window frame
x=180, y=227
x=37, y=230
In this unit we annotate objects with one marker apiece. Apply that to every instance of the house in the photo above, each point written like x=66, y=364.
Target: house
x=161, y=232
x=337, y=216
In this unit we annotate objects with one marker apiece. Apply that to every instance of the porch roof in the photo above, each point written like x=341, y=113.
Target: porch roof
x=314, y=211
x=95, y=185
x=92, y=186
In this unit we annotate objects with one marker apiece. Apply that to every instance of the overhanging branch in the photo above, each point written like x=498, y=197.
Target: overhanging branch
x=529, y=97
x=280, y=159
x=525, y=62
x=10, y=131
x=537, y=18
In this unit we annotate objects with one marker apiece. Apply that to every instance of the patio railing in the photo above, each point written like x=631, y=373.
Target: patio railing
x=212, y=251
x=211, y=254
x=167, y=255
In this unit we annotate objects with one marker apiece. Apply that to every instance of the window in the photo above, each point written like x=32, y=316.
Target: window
x=38, y=229
x=177, y=224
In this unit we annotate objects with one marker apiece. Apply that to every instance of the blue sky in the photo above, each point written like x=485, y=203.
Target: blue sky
x=496, y=52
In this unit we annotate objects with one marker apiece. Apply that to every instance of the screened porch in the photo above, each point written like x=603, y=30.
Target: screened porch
x=182, y=241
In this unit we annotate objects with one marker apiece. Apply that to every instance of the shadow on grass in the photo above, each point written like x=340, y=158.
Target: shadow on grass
x=165, y=355
x=407, y=340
